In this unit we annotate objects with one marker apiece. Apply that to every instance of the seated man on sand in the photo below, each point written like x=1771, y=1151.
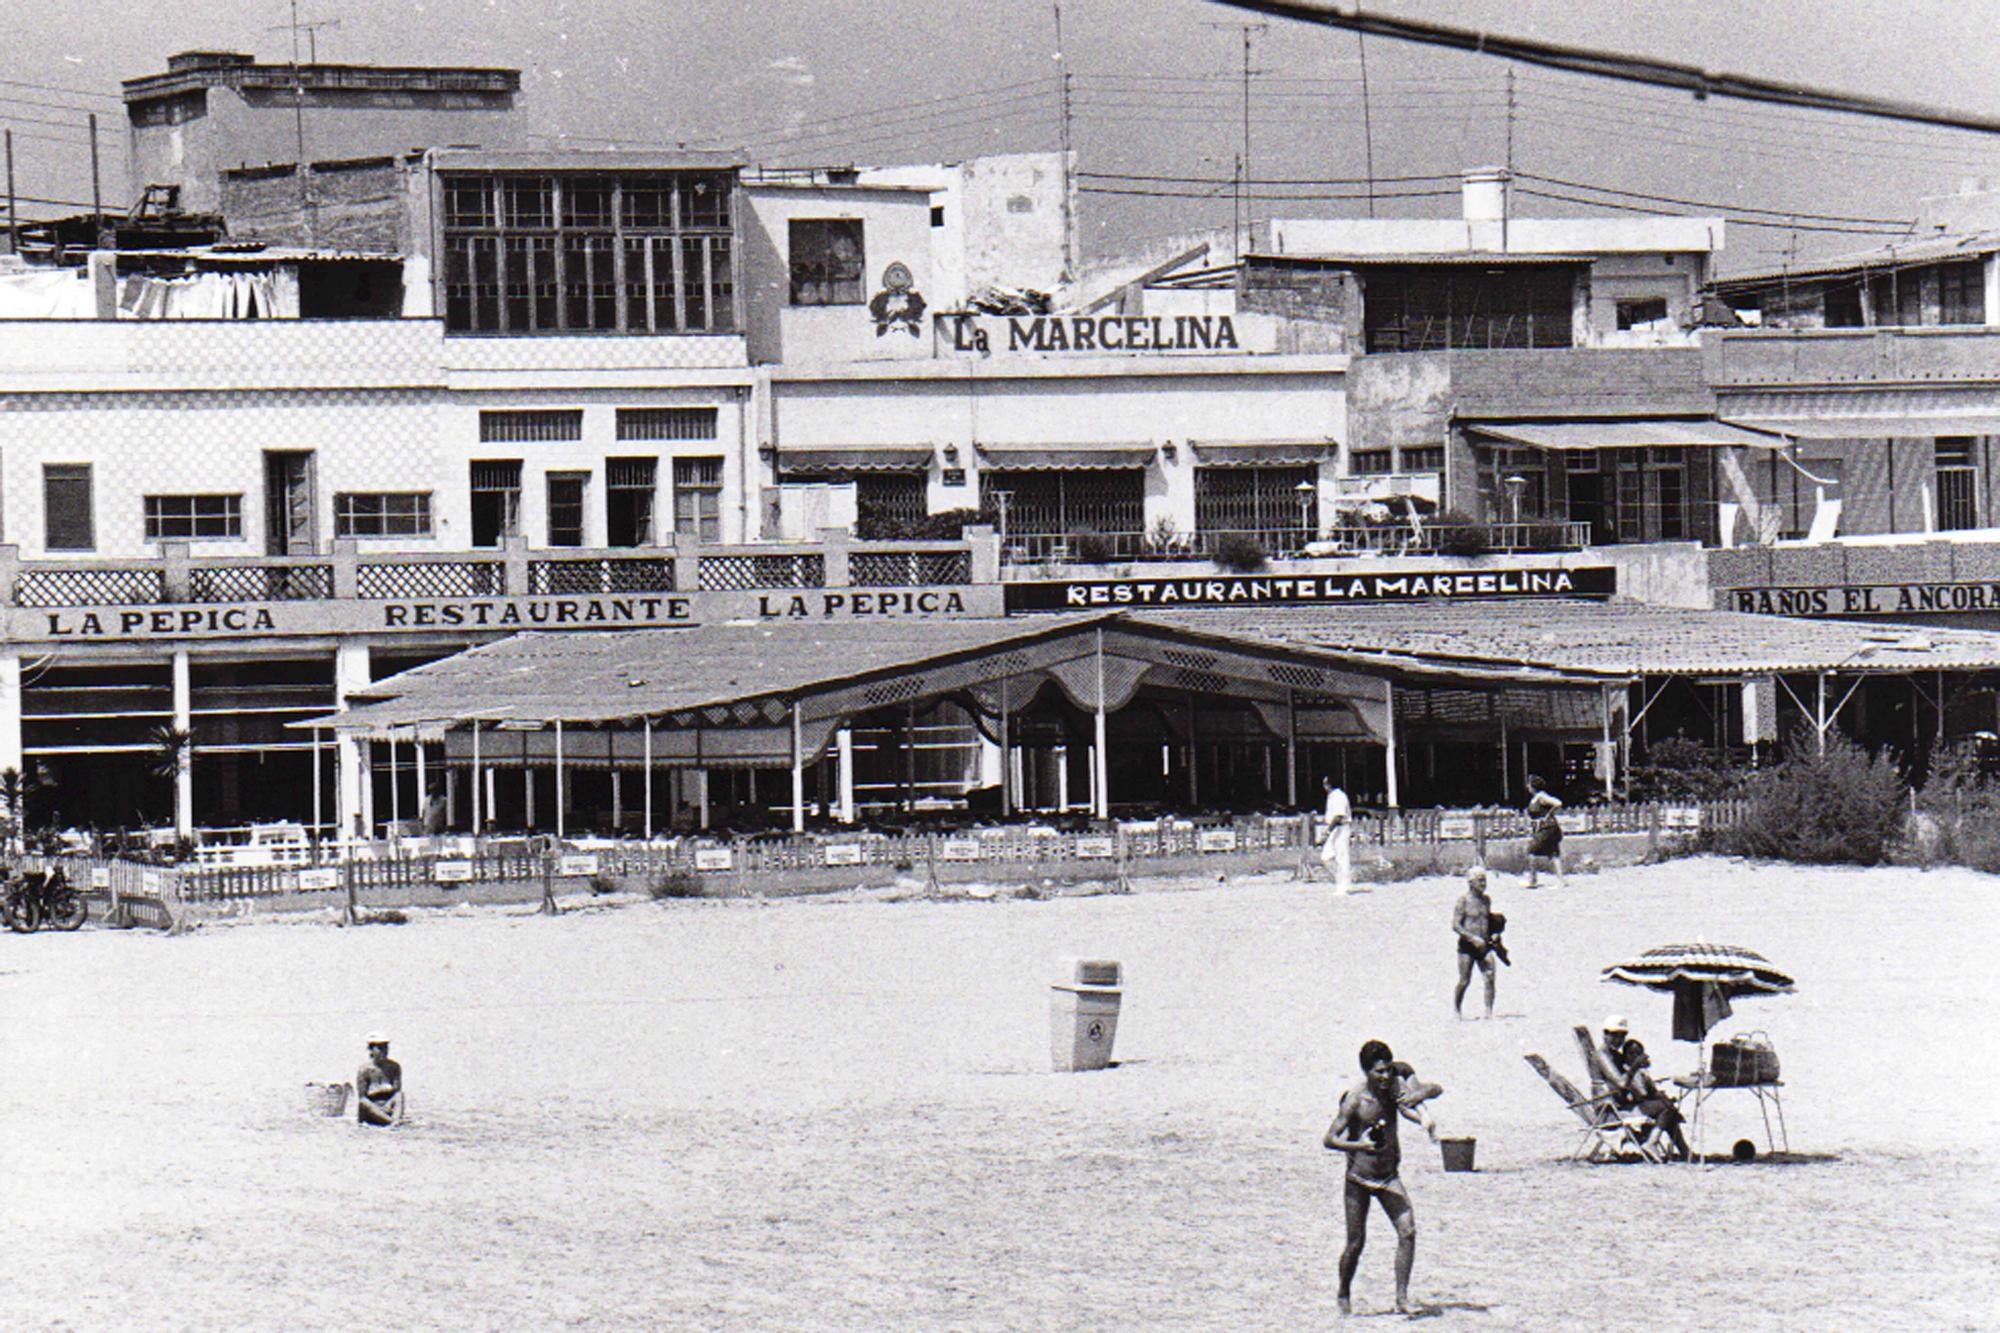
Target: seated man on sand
x=378, y=1086
x=1641, y=1092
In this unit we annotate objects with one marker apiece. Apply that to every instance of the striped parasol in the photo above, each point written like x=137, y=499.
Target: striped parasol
x=1737, y=971
x=1703, y=979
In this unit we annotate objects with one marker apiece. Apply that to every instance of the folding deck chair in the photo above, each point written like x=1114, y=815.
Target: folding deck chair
x=1609, y=1131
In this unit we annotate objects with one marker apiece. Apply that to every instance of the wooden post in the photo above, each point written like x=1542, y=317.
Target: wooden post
x=478, y=824
x=1100, y=758
x=1389, y=730
x=562, y=814
x=646, y=824
x=1291, y=749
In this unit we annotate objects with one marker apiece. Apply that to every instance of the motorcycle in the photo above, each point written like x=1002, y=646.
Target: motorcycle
x=32, y=899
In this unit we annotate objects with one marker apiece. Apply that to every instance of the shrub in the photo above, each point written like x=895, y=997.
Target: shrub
x=1088, y=547
x=1164, y=537
x=1680, y=769
x=1458, y=533
x=1962, y=801
x=676, y=884
x=1843, y=806
x=1239, y=553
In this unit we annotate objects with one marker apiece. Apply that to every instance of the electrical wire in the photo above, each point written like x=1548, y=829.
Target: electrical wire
x=55, y=88
x=1737, y=221
x=1263, y=180
x=1269, y=198
x=1904, y=223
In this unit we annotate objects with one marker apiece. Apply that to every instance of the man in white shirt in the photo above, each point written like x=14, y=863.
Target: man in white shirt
x=1335, y=836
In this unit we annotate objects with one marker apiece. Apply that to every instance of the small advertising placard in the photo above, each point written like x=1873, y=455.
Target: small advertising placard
x=453, y=872
x=841, y=854
x=1096, y=849
x=714, y=858
x=320, y=877
x=149, y=883
x=1456, y=828
x=1216, y=840
x=960, y=849
x=100, y=877
x=576, y=865
x=1683, y=817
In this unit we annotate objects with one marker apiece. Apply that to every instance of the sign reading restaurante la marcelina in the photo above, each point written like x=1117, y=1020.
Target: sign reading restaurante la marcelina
x=1242, y=589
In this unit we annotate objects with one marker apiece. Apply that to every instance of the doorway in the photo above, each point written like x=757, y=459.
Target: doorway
x=290, y=508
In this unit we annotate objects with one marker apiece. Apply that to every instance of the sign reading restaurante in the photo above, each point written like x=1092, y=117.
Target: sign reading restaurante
x=1232, y=590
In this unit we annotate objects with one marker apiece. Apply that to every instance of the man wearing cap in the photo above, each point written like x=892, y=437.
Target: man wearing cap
x=1472, y=922
x=378, y=1085
x=1611, y=1055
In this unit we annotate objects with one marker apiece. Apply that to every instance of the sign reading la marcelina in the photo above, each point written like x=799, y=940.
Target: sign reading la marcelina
x=1090, y=333
x=1313, y=589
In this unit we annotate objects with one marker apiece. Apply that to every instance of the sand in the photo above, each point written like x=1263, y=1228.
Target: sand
x=838, y=1114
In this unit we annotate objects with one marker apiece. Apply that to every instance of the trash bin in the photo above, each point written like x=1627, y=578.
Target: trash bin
x=1083, y=1013
x=1458, y=1153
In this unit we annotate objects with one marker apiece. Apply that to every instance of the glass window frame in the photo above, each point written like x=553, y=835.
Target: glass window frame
x=390, y=513
x=224, y=513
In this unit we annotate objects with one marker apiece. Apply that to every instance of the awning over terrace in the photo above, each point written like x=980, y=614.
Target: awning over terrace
x=1577, y=435
x=1264, y=453
x=857, y=458
x=1037, y=456
x=772, y=696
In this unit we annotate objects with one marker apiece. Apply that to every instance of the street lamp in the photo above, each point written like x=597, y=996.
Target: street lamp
x=1308, y=502
x=1515, y=484
x=1001, y=500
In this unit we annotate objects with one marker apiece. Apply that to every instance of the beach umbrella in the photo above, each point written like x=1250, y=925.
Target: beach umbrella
x=1703, y=979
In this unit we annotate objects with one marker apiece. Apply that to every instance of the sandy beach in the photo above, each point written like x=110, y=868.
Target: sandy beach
x=838, y=1114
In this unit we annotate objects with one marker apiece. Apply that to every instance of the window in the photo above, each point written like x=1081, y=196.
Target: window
x=1957, y=484
x=1899, y=299
x=827, y=261
x=1843, y=306
x=1423, y=458
x=698, y=498
x=1962, y=293
x=666, y=423
x=496, y=500
x=382, y=514
x=629, y=484
x=1644, y=314
x=1368, y=462
x=566, y=505
x=173, y=516
x=66, y=507
x=529, y=427
x=643, y=252
x=1432, y=308
x=1255, y=499
x=1061, y=503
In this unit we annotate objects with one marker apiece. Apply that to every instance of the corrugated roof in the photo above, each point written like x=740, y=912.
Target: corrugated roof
x=1921, y=250
x=1611, y=638
x=594, y=676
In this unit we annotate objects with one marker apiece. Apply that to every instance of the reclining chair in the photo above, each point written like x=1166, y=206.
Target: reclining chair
x=1610, y=1131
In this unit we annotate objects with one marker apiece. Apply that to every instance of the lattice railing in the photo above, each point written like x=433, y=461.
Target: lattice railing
x=89, y=587
x=260, y=583
x=904, y=569
x=453, y=578
x=806, y=569
x=611, y=574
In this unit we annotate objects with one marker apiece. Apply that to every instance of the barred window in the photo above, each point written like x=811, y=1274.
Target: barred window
x=382, y=514
x=175, y=516
x=642, y=252
x=530, y=427
x=827, y=261
x=667, y=423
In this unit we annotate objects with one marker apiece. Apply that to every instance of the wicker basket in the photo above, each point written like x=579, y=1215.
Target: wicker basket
x=327, y=1099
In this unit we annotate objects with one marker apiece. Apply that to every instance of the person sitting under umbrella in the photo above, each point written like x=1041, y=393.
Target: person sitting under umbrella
x=1641, y=1092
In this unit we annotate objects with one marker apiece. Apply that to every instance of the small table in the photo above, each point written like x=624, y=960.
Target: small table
x=1700, y=1087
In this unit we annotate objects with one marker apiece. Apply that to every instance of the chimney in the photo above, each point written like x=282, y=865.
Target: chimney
x=1484, y=190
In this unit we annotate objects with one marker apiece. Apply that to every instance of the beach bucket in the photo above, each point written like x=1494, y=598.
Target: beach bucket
x=328, y=1099
x=1458, y=1153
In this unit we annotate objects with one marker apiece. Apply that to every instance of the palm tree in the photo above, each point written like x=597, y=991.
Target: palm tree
x=15, y=788
x=172, y=752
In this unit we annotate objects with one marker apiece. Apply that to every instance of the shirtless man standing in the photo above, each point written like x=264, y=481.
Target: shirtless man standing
x=1472, y=922
x=1365, y=1129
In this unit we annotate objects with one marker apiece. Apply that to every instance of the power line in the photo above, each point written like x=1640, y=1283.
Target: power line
x=1263, y=180
x=1613, y=65
x=1903, y=223
x=1730, y=217
x=55, y=88
x=1269, y=198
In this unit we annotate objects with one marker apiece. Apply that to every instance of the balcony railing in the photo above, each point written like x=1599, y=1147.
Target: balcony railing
x=175, y=577
x=1284, y=543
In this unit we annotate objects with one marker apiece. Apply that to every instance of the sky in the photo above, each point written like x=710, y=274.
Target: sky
x=1155, y=98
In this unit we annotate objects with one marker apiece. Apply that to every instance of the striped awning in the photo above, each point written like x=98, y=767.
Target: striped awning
x=857, y=458
x=1877, y=428
x=1043, y=456
x=1268, y=453
x=1572, y=435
